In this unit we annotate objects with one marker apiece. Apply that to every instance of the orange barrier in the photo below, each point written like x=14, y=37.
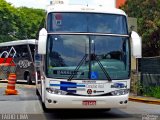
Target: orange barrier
x=11, y=85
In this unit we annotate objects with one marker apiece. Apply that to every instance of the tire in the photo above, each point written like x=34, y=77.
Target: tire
x=104, y=110
x=46, y=110
x=29, y=81
x=109, y=109
x=37, y=93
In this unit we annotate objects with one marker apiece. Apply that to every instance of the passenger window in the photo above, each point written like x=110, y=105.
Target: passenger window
x=22, y=51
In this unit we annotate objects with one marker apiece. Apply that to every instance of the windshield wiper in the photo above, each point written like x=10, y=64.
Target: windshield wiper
x=81, y=62
x=77, y=68
x=102, y=67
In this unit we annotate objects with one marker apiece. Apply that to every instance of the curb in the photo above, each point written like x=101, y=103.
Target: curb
x=143, y=100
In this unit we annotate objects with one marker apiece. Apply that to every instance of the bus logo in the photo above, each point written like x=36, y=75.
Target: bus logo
x=118, y=85
x=24, y=63
x=89, y=91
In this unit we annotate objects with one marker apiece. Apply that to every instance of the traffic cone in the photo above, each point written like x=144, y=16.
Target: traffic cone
x=11, y=85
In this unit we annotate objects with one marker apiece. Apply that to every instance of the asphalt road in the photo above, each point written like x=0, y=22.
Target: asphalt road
x=27, y=105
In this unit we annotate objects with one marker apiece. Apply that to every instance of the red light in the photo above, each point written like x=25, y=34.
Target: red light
x=58, y=16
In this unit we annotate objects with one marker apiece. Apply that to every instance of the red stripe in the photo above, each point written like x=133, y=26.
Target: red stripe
x=10, y=60
x=7, y=61
x=2, y=60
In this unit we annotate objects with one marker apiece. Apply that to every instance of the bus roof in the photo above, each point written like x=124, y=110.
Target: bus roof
x=83, y=8
x=19, y=42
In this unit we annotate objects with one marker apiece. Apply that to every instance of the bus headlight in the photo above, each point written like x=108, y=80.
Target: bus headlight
x=120, y=92
x=56, y=91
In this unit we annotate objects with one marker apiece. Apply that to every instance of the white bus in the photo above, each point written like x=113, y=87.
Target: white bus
x=22, y=52
x=84, y=57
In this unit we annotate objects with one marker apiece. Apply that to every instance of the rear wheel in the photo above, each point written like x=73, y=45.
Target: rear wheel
x=37, y=93
x=29, y=81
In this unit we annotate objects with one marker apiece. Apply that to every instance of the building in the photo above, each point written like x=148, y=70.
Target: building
x=119, y=3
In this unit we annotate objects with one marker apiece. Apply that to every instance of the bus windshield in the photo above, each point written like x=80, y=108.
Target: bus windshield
x=66, y=52
x=87, y=22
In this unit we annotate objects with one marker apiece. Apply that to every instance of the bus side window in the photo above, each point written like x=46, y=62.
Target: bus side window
x=3, y=55
x=18, y=52
x=4, y=52
x=24, y=54
x=22, y=51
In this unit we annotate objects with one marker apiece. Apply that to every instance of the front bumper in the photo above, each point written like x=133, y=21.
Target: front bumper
x=75, y=102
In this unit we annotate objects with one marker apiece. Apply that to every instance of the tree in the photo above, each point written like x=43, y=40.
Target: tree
x=148, y=14
x=8, y=26
x=30, y=21
x=19, y=23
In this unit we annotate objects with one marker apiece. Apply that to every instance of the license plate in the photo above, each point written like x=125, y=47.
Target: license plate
x=89, y=103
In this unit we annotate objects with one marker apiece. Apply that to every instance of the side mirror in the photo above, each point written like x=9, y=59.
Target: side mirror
x=136, y=45
x=42, y=41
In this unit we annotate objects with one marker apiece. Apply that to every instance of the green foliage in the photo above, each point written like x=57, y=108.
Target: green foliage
x=139, y=87
x=30, y=18
x=152, y=91
x=8, y=26
x=19, y=23
x=149, y=91
x=148, y=14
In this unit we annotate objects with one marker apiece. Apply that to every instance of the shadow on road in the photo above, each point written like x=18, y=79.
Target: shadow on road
x=90, y=114
x=18, y=82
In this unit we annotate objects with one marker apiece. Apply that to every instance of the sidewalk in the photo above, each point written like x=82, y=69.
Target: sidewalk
x=149, y=100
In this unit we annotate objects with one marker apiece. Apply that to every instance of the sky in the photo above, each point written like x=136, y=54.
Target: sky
x=29, y=3
x=43, y=3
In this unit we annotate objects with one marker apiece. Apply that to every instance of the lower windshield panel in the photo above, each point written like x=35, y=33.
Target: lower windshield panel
x=87, y=57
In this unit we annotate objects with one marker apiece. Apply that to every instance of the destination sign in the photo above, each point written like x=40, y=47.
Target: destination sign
x=67, y=72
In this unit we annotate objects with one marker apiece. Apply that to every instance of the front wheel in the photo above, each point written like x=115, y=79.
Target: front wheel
x=46, y=110
x=104, y=110
x=109, y=109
